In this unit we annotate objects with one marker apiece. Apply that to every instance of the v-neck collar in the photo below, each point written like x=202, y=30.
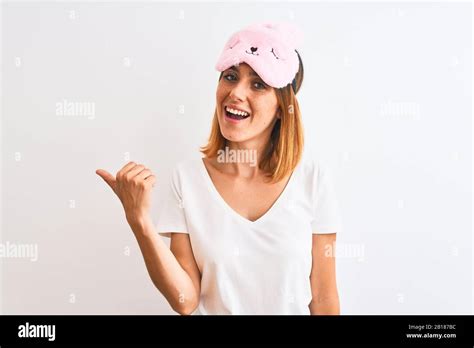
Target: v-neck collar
x=218, y=197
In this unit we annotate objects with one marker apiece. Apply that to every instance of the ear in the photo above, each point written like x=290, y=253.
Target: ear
x=278, y=113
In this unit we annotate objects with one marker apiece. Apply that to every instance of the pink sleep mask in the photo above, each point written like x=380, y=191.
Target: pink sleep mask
x=269, y=48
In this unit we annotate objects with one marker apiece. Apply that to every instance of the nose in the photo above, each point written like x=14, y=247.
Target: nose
x=239, y=91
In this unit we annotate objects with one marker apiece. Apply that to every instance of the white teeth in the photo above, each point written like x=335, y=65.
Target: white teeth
x=236, y=112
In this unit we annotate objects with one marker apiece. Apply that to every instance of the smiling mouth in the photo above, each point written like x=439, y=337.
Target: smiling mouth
x=235, y=114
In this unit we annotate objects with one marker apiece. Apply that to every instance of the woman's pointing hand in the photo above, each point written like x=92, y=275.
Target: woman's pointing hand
x=132, y=184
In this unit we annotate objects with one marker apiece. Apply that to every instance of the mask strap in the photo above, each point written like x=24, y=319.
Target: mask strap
x=293, y=85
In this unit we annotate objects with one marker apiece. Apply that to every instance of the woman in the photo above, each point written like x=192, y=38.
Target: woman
x=251, y=223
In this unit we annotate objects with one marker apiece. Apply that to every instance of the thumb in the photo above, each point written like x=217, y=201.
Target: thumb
x=108, y=178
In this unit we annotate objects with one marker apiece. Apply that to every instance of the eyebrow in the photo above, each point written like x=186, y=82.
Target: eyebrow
x=252, y=73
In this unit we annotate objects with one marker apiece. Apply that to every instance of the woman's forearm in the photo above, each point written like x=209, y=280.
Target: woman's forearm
x=326, y=306
x=164, y=269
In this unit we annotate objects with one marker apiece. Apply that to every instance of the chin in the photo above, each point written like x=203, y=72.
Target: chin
x=231, y=137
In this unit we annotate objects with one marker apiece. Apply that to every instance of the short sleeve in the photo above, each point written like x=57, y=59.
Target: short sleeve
x=171, y=215
x=326, y=211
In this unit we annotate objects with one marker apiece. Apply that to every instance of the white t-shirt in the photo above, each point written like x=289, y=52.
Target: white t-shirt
x=259, y=267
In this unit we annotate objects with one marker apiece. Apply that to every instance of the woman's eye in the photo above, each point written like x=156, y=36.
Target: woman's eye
x=256, y=84
x=229, y=77
x=259, y=85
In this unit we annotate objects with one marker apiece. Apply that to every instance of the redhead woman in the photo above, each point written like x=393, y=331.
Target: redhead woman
x=252, y=219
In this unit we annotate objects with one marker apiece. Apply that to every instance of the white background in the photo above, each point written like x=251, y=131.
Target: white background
x=386, y=102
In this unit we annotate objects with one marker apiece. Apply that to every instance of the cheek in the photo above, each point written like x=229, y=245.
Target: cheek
x=218, y=97
x=221, y=91
x=265, y=110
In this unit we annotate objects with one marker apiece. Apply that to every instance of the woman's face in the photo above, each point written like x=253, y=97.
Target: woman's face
x=241, y=89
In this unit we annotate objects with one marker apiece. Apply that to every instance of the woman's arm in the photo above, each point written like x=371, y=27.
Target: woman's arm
x=325, y=298
x=172, y=270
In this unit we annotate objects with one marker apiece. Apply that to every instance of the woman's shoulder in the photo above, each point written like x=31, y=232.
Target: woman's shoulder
x=187, y=163
x=187, y=168
x=310, y=164
x=313, y=169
